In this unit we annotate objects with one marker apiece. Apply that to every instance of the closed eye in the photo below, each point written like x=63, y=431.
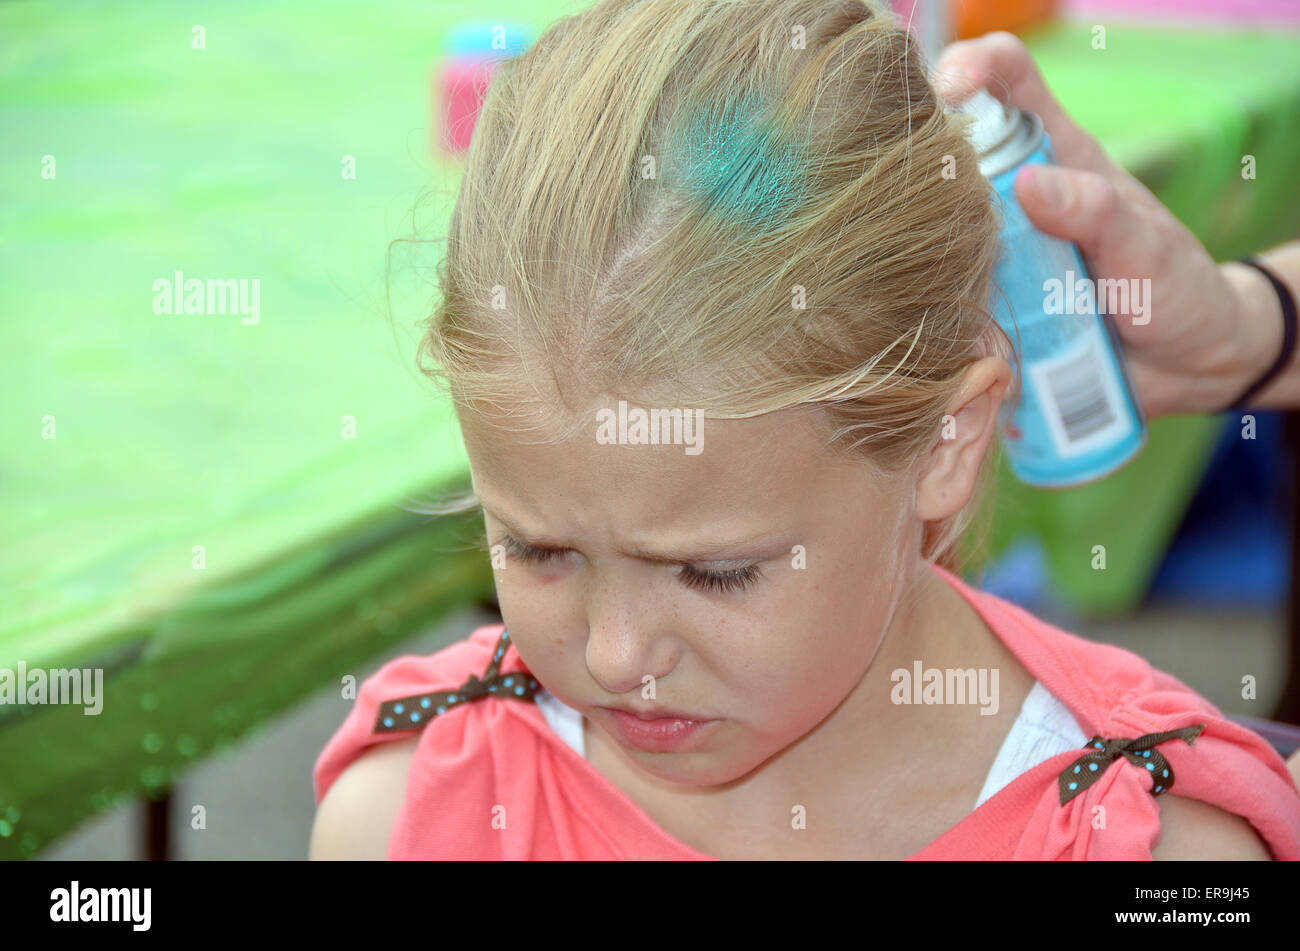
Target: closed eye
x=528, y=553
x=733, y=580
x=720, y=581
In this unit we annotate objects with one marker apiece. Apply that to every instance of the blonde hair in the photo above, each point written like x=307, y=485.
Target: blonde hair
x=652, y=182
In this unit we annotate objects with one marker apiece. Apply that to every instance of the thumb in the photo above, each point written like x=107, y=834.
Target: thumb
x=1083, y=207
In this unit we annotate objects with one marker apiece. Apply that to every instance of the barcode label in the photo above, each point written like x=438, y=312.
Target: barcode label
x=1080, y=398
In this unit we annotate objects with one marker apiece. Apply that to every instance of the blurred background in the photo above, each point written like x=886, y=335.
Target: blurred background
x=206, y=501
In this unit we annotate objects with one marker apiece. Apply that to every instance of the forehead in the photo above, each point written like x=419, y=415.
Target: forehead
x=753, y=471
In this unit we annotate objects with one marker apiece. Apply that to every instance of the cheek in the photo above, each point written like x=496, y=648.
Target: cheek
x=532, y=597
x=795, y=689
x=541, y=628
x=813, y=649
x=549, y=624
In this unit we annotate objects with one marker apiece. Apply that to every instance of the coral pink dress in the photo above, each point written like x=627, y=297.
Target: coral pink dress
x=490, y=779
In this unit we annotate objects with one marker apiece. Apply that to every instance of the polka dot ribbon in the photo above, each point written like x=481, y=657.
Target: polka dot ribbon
x=411, y=713
x=1087, y=769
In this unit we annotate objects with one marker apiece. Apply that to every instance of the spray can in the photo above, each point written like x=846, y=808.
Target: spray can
x=1070, y=416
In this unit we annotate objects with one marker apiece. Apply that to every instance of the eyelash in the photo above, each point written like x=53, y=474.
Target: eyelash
x=720, y=581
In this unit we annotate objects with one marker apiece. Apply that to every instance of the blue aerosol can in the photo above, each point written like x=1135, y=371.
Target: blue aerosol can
x=1070, y=416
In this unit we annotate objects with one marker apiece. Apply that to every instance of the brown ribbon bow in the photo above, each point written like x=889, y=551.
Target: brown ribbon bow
x=1140, y=751
x=411, y=713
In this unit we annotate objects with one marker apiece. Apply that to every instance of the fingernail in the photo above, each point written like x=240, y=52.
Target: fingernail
x=945, y=82
x=952, y=83
x=957, y=84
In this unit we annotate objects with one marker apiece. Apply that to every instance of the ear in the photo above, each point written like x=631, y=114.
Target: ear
x=947, y=481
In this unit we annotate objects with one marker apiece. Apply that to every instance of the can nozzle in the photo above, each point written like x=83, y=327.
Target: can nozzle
x=993, y=124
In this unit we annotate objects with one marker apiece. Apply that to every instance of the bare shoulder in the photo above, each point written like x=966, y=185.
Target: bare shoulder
x=356, y=816
x=1191, y=829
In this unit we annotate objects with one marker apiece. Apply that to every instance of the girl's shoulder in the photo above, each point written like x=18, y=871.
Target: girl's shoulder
x=439, y=713
x=354, y=819
x=1155, y=745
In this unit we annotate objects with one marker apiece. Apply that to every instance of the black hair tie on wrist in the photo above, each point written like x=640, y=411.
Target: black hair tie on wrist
x=1288, y=336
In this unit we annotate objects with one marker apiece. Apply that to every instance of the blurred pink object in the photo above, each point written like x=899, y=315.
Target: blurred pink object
x=471, y=51
x=1241, y=11
x=930, y=22
x=460, y=85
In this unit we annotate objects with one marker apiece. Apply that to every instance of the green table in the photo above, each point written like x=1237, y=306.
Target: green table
x=217, y=521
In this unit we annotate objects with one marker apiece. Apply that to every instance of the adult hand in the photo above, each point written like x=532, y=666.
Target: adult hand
x=1192, y=350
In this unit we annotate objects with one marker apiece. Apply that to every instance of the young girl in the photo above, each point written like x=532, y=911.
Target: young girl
x=713, y=319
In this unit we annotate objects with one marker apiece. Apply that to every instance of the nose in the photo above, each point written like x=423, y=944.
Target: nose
x=626, y=639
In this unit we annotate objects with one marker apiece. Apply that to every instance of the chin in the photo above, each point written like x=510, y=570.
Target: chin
x=691, y=769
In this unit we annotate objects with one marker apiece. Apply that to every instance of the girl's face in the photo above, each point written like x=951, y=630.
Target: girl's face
x=749, y=584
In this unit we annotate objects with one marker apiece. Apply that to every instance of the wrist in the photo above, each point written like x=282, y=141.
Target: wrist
x=1257, y=319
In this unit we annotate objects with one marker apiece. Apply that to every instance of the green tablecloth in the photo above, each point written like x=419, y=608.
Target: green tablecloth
x=172, y=432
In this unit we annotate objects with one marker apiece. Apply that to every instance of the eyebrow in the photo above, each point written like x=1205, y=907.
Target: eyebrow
x=738, y=550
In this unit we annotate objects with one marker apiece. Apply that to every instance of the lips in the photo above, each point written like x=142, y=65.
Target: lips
x=659, y=731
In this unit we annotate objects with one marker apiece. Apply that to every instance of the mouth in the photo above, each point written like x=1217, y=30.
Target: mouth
x=660, y=731
x=659, y=714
